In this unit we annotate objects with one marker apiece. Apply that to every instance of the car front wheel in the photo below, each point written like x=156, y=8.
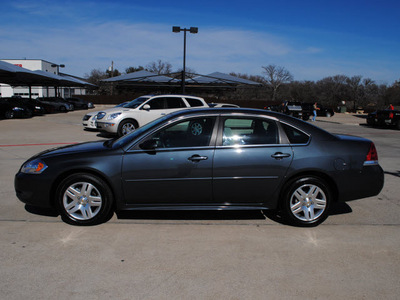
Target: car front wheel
x=84, y=199
x=306, y=202
x=126, y=127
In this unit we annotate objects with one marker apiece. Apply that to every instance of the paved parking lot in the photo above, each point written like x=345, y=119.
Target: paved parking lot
x=196, y=255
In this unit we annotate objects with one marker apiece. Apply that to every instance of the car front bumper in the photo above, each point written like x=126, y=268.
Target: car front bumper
x=33, y=189
x=107, y=127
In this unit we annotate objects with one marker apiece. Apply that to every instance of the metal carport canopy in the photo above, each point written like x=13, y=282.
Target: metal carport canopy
x=18, y=76
x=141, y=77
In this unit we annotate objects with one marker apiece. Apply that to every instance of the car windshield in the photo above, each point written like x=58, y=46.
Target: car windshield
x=135, y=103
x=126, y=139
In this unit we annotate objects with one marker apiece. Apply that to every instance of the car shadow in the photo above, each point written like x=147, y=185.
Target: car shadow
x=200, y=215
x=339, y=208
x=47, y=212
x=106, y=135
x=396, y=174
x=191, y=215
x=211, y=215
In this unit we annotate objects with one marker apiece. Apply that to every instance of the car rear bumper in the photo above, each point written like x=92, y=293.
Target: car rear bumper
x=361, y=184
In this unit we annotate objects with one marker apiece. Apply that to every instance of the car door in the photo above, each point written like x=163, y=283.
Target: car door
x=159, y=107
x=249, y=161
x=178, y=169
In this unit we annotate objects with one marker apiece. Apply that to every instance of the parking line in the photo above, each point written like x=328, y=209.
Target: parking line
x=43, y=144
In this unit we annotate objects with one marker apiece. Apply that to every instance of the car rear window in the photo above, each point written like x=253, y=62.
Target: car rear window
x=194, y=102
x=294, y=135
x=175, y=102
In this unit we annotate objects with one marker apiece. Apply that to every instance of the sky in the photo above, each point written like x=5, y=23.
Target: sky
x=311, y=39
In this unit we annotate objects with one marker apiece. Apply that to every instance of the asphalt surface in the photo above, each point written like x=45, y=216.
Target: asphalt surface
x=354, y=254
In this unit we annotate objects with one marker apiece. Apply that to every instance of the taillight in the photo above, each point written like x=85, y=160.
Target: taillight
x=372, y=156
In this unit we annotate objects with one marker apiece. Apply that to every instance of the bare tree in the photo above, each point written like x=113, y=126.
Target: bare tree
x=133, y=69
x=356, y=89
x=159, y=67
x=275, y=77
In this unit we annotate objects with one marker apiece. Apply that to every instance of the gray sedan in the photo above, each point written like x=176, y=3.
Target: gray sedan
x=206, y=159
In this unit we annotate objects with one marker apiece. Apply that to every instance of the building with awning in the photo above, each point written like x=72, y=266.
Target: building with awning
x=37, y=78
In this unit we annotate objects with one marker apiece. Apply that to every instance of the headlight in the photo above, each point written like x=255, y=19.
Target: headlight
x=36, y=166
x=113, y=116
x=18, y=108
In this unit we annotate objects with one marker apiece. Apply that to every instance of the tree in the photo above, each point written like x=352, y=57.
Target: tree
x=356, y=89
x=275, y=77
x=333, y=90
x=133, y=69
x=159, y=67
x=95, y=76
x=113, y=73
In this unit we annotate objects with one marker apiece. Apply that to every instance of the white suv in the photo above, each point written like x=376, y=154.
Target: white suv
x=142, y=110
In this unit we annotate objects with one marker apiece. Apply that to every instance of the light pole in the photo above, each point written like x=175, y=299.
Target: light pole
x=177, y=29
x=56, y=89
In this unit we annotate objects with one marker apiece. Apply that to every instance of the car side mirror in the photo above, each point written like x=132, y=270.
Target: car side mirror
x=146, y=107
x=149, y=144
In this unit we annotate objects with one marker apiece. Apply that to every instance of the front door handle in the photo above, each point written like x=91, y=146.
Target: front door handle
x=197, y=158
x=280, y=155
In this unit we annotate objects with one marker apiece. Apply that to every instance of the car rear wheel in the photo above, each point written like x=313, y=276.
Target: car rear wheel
x=84, y=199
x=306, y=202
x=126, y=127
x=63, y=108
x=9, y=114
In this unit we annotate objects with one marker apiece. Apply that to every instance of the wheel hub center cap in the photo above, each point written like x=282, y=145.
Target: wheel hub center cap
x=83, y=200
x=308, y=202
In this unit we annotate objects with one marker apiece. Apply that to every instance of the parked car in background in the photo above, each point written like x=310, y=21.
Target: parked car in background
x=79, y=103
x=321, y=112
x=222, y=105
x=385, y=117
x=89, y=120
x=205, y=159
x=142, y=110
x=10, y=109
x=33, y=105
x=291, y=108
x=56, y=104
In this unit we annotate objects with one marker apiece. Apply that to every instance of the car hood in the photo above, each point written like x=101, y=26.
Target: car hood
x=96, y=146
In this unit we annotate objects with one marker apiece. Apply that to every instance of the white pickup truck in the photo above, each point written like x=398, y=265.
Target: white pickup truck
x=142, y=110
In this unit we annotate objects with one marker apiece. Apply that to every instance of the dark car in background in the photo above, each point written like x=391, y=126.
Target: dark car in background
x=10, y=109
x=385, y=118
x=33, y=105
x=323, y=111
x=55, y=104
x=205, y=159
x=291, y=108
x=79, y=103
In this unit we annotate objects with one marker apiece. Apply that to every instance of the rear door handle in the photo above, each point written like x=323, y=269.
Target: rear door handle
x=197, y=158
x=280, y=155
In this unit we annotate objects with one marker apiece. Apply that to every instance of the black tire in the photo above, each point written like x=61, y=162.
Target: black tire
x=84, y=199
x=306, y=201
x=398, y=125
x=62, y=108
x=126, y=126
x=9, y=114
